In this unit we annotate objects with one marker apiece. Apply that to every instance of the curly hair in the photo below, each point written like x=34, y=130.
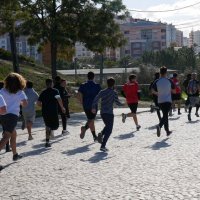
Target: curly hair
x=14, y=82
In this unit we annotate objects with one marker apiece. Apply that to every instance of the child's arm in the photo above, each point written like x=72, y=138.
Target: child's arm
x=117, y=100
x=95, y=102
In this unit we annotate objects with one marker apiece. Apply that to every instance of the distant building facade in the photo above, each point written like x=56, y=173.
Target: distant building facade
x=23, y=48
x=185, y=42
x=82, y=51
x=194, y=38
x=144, y=35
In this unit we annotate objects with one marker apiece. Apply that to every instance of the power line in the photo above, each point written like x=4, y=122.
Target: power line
x=170, y=10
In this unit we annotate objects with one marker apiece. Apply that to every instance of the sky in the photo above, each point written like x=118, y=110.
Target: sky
x=185, y=20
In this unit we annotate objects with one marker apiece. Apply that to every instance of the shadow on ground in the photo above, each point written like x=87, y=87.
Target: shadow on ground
x=193, y=122
x=78, y=150
x=98, y=157
x=36, y=152
x=173, y=119
x=159, y=145
x=37, y=146
x=125, y=136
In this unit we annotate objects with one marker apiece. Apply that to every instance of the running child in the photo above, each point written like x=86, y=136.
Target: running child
x=131, y=90
x=108, y=97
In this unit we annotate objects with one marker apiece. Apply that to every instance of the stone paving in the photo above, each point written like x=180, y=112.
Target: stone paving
x=139, y=166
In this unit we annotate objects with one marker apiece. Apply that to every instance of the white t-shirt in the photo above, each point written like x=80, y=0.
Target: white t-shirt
x=13, y=100
x=2, y=102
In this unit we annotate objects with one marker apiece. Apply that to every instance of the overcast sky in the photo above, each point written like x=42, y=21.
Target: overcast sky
x=185, y=19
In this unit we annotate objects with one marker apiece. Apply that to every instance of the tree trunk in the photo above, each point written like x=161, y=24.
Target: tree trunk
x=53, y=59
x=101, y=69
x=14, y=52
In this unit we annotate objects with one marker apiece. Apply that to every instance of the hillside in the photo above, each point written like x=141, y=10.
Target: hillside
x=37, y=74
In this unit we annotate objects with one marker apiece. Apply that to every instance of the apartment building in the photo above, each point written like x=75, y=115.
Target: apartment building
x=185, y=42
x=82, y=51
x=144, y=35
x=23, y=48
x=194, y=40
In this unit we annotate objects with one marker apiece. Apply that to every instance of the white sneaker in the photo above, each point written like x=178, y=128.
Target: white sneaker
x=65, y=132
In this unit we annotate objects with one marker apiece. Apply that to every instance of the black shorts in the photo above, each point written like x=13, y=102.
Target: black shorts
x=9, y=122
x=89, y=114
x=51, y=121
x=176, y=97
x=133, y=107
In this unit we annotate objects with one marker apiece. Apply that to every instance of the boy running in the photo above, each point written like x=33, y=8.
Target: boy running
x=193, y=94
x=163, y=88
x=130, y=91
x=87, y=92
x=108, y=97
x=48, y=101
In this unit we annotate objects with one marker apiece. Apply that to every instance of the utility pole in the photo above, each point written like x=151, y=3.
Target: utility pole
x=101, y=69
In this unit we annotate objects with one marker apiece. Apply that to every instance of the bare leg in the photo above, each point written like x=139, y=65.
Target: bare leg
x=5, y=139
x=29, y=128
x=134, y=117
x=13, y=142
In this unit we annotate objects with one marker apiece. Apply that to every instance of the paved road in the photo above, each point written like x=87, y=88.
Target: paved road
x=139, y=166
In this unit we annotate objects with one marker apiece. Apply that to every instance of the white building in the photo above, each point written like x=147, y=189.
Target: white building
x=185, y=42
x=82, y=51
x=23, y=48
x=194, y=38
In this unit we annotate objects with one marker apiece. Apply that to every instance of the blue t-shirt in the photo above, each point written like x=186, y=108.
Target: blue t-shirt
x=89, y=90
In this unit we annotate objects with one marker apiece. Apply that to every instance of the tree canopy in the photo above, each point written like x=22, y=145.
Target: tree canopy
x=63, y=22
x=181, y=59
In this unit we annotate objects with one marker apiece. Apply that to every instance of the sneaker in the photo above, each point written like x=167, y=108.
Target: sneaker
x=169, y=133
x=123, y=117
x=47, y=145
x=197, y=114
x=138, y=127
x=104, y=149
x=30, y=137
x=1, y=167
x=83, y=130
x=65, y=132
x=52, y=135
x=158, y=131
x=100, y=138
x=189, y=118
x=17, y=157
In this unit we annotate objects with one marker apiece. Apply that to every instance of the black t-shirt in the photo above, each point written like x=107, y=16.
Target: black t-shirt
x=63, y=94
x=49, y=101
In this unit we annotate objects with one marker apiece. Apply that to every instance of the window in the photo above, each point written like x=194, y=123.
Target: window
x=127, y=51
x=163, y=43
x=163, y=37
x=163, y=30
x=136, y=45
x=146, y=34
x=126, y=32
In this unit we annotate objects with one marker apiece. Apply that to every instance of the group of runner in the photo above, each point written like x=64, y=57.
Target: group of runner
x=54, y=100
